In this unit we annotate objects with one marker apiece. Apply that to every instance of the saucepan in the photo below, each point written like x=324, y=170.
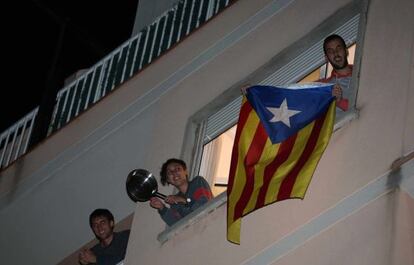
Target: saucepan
x=141, y=185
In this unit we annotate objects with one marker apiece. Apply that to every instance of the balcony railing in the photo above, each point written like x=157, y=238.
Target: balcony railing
x=14, y=141
x=117, y=67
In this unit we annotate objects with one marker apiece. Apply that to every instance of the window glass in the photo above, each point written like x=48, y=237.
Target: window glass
x=215, y=161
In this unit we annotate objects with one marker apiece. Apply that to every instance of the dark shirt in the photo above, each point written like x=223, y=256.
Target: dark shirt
x=198, y=192
x=115, y=252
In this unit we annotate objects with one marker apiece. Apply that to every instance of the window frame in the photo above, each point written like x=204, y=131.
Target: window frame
x=218, y=116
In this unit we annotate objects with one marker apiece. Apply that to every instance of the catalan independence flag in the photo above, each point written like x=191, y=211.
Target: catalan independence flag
x=280, y=137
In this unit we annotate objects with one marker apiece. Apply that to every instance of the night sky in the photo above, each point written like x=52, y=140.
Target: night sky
x=31, y=33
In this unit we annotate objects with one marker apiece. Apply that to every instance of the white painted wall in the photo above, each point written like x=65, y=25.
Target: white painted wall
x=403, y=243
x=46, y=217
x=358, y=153
x=148, y=11
x=47, y=195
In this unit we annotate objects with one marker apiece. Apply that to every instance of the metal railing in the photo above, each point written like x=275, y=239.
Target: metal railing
x=117, y=67
x=14, y=141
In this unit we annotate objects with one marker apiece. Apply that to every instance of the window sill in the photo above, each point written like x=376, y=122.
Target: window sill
x=344, y=118
x=192, y=218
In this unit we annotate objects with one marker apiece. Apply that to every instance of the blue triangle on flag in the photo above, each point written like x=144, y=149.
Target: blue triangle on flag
x=283, y=111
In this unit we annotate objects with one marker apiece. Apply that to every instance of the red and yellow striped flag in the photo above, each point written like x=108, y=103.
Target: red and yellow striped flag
x=263, y=172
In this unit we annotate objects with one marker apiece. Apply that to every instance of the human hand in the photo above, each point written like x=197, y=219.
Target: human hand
x=244, y=88
x=174, y=199
x=337, y=92
x=86, y=256
x=156, y=203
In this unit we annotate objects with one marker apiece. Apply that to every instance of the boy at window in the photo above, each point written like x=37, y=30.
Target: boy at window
x=191, y=194
x=336, y=53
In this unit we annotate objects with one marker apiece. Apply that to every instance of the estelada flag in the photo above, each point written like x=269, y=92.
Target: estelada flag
x=280, y=137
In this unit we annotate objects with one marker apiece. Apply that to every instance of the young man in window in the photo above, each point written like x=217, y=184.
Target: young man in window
x=112, y=246
x=336, y=53
x=191, y=194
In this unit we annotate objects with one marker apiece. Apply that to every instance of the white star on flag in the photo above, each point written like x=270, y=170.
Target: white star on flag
x=283, y=113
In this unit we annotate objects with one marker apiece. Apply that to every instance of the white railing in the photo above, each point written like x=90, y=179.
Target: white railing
x=14, y=141
x=117, y=67
x=132, y=56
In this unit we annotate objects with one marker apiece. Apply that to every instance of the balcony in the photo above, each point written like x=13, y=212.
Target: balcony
x=130, y=58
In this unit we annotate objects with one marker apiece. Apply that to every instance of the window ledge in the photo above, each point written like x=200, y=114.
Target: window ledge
x=344, y=118
x=192, y=218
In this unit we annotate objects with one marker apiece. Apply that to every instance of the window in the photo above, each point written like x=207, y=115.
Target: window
x=210, y=132
x=220, y=128
x=215, y=161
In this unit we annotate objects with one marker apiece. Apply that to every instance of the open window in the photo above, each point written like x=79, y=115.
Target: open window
x=216, y=156
x=213, y=152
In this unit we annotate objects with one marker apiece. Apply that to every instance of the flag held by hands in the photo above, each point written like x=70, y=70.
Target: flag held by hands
x=280, y=137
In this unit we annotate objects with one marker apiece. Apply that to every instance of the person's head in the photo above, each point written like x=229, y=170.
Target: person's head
x=174, y=171
x=335, y=51
x=102, y=223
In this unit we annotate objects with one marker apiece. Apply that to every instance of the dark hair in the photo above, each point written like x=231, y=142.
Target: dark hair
x=331, y=38
x=164, y=166
x=100, y=212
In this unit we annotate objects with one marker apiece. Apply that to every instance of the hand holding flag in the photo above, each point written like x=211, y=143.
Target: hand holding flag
x=281, y=135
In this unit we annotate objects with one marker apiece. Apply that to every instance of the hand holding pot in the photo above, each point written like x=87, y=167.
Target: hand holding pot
x=174, y=199
x=156, y=203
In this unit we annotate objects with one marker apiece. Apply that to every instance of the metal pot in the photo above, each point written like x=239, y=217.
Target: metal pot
x=141, y=185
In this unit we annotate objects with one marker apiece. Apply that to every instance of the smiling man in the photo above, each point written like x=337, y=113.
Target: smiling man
x=191, y=194
x=112, y=245
x=336, y=53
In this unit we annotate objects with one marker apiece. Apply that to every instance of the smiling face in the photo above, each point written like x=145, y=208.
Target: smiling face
x=176, y=174
x=336, y=53
x=103, y=228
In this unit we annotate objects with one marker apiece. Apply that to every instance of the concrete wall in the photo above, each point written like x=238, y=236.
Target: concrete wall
x=403, y=240
x=47, y=195
x=363, y=238
x=358, y=153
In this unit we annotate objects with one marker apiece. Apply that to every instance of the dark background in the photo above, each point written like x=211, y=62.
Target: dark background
x=88, y=30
